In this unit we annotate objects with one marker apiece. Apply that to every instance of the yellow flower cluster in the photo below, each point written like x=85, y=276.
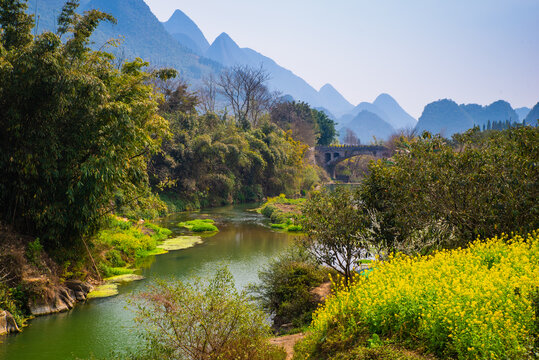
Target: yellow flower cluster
x=473, y=303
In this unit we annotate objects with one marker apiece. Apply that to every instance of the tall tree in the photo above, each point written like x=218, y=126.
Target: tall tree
x=326, y=127
x=245, y=91
x=75, y=128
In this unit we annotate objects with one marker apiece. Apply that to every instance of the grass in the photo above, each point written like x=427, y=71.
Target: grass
x=122, y=242
x=199, y=225
x=284, y=213
x=474, y=303
x=287, y=227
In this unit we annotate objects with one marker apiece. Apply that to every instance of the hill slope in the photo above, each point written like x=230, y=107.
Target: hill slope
x=225, y=51
x=183, y=29
x=396, y=115
x=367, y=126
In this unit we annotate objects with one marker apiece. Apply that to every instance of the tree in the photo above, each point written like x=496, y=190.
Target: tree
x=298, y=118
x=326, y=128
x=336, y=227
x=208, y=95
x=75, y=128
x=203, y=320
x=350, y=138
x=434, y=193
x=245, y=91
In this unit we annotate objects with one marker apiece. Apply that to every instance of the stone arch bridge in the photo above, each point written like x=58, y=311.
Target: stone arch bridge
x=329, y=156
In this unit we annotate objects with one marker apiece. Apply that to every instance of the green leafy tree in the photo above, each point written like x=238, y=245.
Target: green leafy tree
x=326, y=126
x=75, y=128
x=434, y=193
x=337, y=230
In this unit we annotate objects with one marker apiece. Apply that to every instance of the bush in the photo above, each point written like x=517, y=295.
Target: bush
x=284, y=288
x=440, y=194
x=474, y=303
x=205, y=319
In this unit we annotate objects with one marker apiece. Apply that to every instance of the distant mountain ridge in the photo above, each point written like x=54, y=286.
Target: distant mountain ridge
x=187, y=32
x=224, y=50
x=533, y=117
x=447, y=117
x=384, y=113
x=367, y=126
x=141, y=32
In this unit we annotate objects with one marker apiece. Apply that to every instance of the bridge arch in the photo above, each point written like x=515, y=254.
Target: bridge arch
x=329, y=156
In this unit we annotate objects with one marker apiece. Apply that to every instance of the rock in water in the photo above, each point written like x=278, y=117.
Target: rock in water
x=8, y=324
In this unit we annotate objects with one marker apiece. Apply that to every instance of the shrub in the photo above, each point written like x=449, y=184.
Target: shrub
x=205, y=319
x=457, y=304
x=284, y=287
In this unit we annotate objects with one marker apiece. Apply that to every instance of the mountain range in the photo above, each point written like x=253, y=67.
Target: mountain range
x=384, y=117
x=447, y=117
x=181, y=44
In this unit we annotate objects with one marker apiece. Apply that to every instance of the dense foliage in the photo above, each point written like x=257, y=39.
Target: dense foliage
x=336, y=226
x=203, y=320
x=474, y=303
x=75, y=127
x=438, y=193
x=308, y=125
x=122, y=242
x=211, y=160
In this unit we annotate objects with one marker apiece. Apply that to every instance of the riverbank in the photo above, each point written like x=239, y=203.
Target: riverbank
x=34, y=283
x=101, y=326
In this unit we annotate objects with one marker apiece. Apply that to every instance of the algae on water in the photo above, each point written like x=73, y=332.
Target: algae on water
x=180, y=243
x=103, y=291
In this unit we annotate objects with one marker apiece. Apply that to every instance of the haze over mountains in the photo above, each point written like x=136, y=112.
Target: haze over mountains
x=181, y=44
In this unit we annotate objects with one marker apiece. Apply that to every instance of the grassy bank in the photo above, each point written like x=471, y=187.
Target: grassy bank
x=474, y=303
x=123, y=242
x=283, y=212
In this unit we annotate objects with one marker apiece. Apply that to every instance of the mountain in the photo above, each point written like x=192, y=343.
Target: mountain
x=444, y=117
x=533, y=117
x=498, y=111
x=183, y=29
x=225, y=51
x=367, y=126
x=142, y=33
x=179, y=43
x=363, y=106
x=330, y=97
x=396, y=115
x=522, y=113
x=387, y=108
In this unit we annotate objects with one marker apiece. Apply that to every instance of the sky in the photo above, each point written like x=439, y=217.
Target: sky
x=418, y=51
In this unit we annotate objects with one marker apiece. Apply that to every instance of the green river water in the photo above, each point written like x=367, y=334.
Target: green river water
x=244, y=244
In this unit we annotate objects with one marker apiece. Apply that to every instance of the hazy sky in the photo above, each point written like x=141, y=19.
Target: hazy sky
x=418, y=51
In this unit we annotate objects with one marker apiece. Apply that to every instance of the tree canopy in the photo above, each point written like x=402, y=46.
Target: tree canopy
x=75, y=127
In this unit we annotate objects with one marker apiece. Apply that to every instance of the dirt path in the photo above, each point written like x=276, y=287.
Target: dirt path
x=287, y=343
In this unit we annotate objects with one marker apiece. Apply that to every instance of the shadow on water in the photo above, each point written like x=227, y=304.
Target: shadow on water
x=244, y=243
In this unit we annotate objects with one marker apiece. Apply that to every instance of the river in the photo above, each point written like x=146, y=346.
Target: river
x=245, y=244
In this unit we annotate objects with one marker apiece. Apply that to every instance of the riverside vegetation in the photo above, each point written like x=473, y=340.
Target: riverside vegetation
x=86, y=137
